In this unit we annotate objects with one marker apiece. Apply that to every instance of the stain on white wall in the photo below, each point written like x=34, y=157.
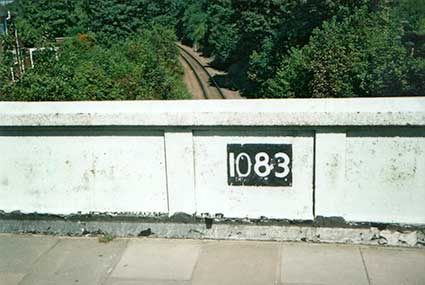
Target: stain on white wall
x=64, y=175
x=372, y=175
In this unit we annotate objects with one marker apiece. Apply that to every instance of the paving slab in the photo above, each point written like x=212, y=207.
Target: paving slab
x=118, y=281
x=11, y=278
x=160, y=260
x=26, y=259
x=76, y=261
x=245, y=263
x=388, y=266
x=18, y=253
x=322, y=264
x=301, y=283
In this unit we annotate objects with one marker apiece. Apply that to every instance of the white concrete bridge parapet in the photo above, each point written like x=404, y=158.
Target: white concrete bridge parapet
x=359, y=159
x=292, y=112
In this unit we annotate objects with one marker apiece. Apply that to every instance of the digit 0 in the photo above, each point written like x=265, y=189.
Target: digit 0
x=249, y=164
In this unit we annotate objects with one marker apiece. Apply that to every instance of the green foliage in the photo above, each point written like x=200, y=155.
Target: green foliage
x=29, y=35
x=270, y=48
x=143, y=67
x=118, y=51
x=105, y=238
x=249, y=38
x=415, y=76
x=195, y=22
x=261, y=65
x=4, y=72
x=412, y=12
x=110, y=20
x=44, y=19
x=293, y=77
x=335, y=48
x=116, y=20
x=289, y=26
x=223, y=34
x=361, y=56
x=6, y=58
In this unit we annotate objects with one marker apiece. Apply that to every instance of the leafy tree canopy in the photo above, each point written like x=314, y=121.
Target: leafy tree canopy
x=143, y=67
x=270, y=48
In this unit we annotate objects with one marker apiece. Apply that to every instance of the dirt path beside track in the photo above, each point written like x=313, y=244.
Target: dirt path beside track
x=191, y=79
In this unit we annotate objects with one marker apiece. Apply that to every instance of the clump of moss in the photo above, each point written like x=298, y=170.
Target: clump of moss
x=105, y=238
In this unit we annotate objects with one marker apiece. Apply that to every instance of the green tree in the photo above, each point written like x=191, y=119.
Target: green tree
x=143, y=67
x=195, y=22
x=223, y=34
x=270, y=48
x=44, y=18
x=361, y=56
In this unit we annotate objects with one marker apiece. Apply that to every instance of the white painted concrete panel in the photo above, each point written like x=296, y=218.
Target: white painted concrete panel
x=330, y=172
x=64, y=175
x=384, y=177
x=180, y=172
x=213, y=195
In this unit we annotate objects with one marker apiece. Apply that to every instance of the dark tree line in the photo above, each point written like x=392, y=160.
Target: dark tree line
x=111, y=51
x=270, y=48
x=337, y=48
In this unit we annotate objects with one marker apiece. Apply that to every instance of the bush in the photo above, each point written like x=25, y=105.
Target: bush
x=143, y=67
x=361, y=56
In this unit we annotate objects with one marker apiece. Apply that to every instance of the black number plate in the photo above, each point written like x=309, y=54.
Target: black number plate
x=259, y=164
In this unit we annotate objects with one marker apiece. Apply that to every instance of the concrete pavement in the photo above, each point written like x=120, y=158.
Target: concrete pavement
x=26, y=259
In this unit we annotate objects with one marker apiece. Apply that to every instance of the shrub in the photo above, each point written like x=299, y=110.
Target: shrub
x=143, y=67
x=361, y=56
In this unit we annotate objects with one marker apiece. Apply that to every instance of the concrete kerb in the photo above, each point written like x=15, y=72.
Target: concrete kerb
x=321, y=231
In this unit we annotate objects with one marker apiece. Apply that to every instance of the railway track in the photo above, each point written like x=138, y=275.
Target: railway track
x=209, y=87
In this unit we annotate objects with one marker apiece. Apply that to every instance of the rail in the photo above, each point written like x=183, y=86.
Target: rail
x=185, y=56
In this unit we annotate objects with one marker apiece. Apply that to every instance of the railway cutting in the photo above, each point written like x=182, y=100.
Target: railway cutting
x=204, y=86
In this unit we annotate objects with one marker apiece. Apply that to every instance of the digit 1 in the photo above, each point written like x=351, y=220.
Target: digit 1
x=232, y=164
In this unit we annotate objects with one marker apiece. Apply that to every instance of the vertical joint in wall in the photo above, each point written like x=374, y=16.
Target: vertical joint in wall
x=180, y=171
x=314, y=175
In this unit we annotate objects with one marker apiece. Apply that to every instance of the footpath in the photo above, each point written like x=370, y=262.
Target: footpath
x=27, y=259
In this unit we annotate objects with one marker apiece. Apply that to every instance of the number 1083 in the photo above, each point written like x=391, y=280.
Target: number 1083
x=259, y=164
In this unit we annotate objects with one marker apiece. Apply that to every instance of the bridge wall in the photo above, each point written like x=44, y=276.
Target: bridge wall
x=359, y=159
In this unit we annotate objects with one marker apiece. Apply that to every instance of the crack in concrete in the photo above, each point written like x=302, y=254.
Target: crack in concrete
x=38, y=260
x=364, y=266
